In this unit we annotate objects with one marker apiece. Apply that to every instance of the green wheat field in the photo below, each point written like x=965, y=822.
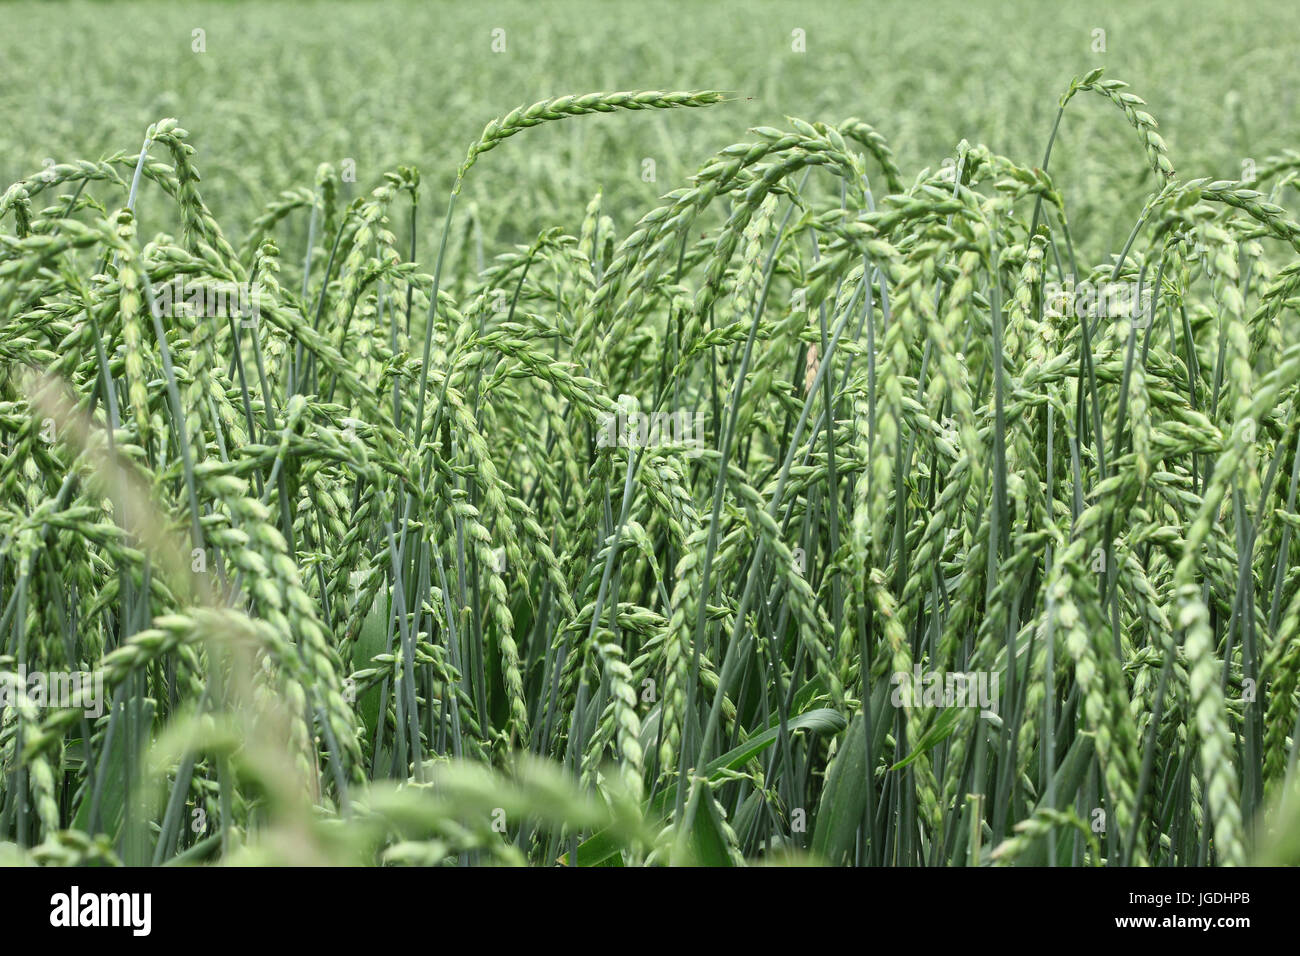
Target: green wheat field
x=842, y=434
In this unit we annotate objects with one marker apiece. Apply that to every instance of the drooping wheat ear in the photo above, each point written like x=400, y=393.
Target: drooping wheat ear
x=1042, y=824
x=198, y=218
x=876, y=144
x=1255, y=204
x=1143, y=122
x=50, y=177
x=275, y=583
x=563, y=107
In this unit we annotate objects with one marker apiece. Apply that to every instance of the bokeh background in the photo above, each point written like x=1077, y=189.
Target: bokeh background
x=283, y=87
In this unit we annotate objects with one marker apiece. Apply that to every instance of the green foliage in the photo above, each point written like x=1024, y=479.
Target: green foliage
x=840, y=508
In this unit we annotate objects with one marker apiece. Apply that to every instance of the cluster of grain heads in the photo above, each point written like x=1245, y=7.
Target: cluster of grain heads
x=814, y=514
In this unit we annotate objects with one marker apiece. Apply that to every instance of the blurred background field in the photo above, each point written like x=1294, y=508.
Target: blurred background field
x=283, y=87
